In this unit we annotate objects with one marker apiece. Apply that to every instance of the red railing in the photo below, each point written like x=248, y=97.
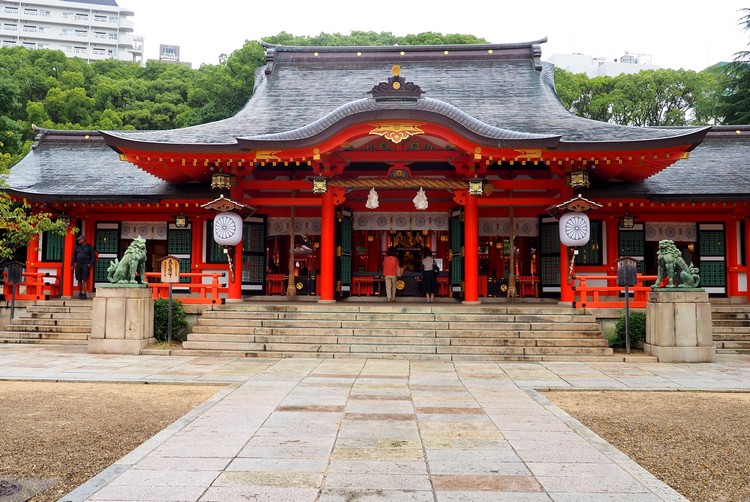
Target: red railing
x=39, y=286
x=207, y=293
x=610, y=296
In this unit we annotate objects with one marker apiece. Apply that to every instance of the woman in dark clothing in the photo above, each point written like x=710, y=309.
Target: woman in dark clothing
x=429, y=276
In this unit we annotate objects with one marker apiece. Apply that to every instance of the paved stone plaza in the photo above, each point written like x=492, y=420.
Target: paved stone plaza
x=366, y=430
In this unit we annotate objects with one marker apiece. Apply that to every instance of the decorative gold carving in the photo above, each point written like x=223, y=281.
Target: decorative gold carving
x=528, y=154
x=396, y=69
x=397, y=85
x=397, y=132
x=267, y=155
x=316, y=153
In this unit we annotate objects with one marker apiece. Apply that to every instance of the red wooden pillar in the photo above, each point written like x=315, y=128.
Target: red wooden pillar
x=471, y=250
x=732, y=251
x=90, y=233
x=746, y=222
x=327, y=244
x=32, y=254
x=235, y=282
x=612, y=241
x=196, y=248
x=69, y=245
x=566, y=286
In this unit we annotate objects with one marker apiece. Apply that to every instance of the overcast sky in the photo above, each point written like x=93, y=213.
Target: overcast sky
x=675, y=34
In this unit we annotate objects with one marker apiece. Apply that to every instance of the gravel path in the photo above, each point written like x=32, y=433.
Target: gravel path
x=696, y=442
x=65, y=433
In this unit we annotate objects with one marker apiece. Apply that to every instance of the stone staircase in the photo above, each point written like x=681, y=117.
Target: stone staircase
x=731, y=328
x=58, y=322
x=437, y=331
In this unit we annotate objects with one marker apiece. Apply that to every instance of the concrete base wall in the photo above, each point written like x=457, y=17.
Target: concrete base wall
x=678, y=326
x=122, y=320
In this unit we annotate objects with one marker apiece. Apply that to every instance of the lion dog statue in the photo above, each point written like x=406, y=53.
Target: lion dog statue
x=133, y=262
x=674, y=268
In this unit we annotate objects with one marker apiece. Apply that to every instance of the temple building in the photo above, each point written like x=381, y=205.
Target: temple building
x=343, y=153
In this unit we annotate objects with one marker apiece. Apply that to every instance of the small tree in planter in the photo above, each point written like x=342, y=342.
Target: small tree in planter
x=161, y=319
x=637, y=325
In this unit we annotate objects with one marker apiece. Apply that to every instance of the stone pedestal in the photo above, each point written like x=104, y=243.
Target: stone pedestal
x=678, y=326
x=122, y=319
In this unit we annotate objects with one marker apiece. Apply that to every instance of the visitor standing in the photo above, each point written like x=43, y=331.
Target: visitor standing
x=429, y=276
x=84, y=257
x=390, y=274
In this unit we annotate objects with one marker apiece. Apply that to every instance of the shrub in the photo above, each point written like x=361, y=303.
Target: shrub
x=637, y=325
x=161, y=319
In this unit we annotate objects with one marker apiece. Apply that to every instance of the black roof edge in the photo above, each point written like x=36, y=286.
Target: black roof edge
x=37, y=197
x=115, y=142
x=398, y=48
x=65, y=132
x=516, y=50
x=694, y=138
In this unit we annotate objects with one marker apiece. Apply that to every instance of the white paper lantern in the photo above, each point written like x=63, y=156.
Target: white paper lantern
x=228, y=228
x=575, y=229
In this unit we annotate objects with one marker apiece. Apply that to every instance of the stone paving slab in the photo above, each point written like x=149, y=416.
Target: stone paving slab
x=374, y=430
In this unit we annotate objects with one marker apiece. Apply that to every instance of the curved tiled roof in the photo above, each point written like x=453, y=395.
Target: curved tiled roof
x=717, y=169
x=494, y=86
x=78, y=166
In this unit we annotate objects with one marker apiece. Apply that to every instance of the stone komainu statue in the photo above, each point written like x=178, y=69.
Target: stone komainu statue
x=674, y=268
x=133, y=262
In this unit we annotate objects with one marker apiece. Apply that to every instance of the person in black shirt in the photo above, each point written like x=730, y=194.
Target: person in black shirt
x=84, y=257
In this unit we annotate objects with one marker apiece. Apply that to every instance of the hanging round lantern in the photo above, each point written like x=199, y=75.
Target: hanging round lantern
x=575, y=229
x=228, y=228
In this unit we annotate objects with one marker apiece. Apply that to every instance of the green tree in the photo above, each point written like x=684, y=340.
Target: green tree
x=18, y=226
x=735, y=102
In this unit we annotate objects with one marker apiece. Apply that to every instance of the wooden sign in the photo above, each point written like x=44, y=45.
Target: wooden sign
x=170, y=269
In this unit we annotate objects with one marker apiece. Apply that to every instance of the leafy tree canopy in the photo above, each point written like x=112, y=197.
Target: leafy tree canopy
x=735, y=100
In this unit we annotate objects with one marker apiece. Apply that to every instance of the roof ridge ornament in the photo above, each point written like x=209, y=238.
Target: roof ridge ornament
x=397, y=88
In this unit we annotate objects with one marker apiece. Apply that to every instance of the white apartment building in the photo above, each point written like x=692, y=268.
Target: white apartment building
x=600, y=67
x=89, y=29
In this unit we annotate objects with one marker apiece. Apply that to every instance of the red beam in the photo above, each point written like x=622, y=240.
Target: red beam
x=283, y=201
x=542, y=202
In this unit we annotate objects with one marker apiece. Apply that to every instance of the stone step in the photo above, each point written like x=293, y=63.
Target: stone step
x=732, y=344
x=48, y=321
x=731, y=323
x=74, y=316
x=42, y=341
x=392, y=324
x=41, y=335
x=515, y=332
x=358, y=350
x=731, y=336
x=75, y=307
x=732, y=351
x=33, y=328
x=728, y=330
